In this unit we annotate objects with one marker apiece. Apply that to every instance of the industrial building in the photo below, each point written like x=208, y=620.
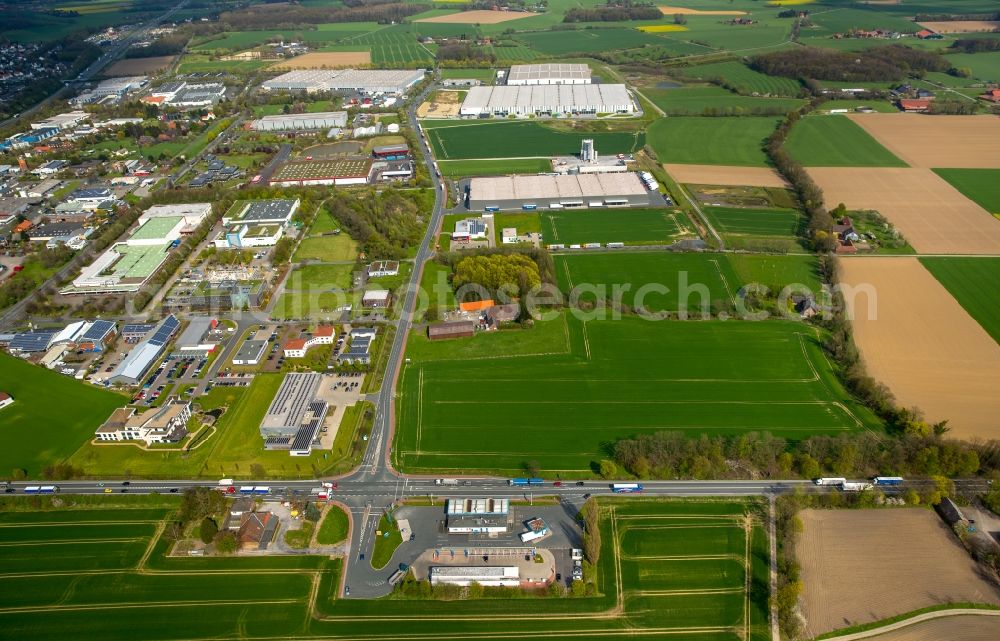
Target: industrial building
x=110, y=91
x=182, y=94
x=300, y=122
x=239, y=236
x=468, y=516
x=492, y=576
x=295, y=416
x=556, y=192
x=391, y=81
x=134, y=366
x=262, y=212
x=549, y=74
x=547, y=100
x=306, y=173
x=62, y=121
x=250, y=353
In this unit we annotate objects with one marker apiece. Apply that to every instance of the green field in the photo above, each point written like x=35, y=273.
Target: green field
x=483, y=75
x=464, y=168
x=326, y=249
x=745, y=79
x=776, y=272
x=563, y=402
x=712, y=274
x=119, y=583
x=43, y=432
x=629, y=226
x=321, y=277
x=697, y=101
x=334, y=527
x=561, y=43
x=712, y=141
x=975, y=284
x=978, y=185
x=745, y=221
x=521, y=139
x=835, y=141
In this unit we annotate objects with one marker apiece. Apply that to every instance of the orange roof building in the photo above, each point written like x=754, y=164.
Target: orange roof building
x=476, y=305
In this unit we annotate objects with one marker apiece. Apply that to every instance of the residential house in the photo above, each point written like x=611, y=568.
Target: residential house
x=256, y=530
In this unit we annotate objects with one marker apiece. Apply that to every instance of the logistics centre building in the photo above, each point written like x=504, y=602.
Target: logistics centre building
x=504, y=193
x=549, y=74
x=551, y=99
x=390, y=81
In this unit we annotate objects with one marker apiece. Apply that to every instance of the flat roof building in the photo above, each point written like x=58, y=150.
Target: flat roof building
x=275, y=211
x=540, y=100
x=305, y=173
x=557, y=192
x=134, y=366
x=549, y=74
x=293, y=420
x=300, y=122
x=394, y=81
x=250, y=352
x=376, y=298
x=493, y=576
x=62, y=121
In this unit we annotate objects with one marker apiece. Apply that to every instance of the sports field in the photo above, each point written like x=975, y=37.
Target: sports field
x=520, y=140
x=491, y=403
x=975, y=284
x=836, y=141
x=629, y=226
x=712, y=141
x=978, y=185
x=52, y=415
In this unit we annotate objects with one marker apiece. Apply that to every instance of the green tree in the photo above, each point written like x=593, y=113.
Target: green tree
x=608, y=469
x=225, y=542
x=209, y=528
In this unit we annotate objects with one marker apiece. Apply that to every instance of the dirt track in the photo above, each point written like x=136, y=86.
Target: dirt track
x=931, y=214
x=445, y=104
x=936, y=141
x=685, y=11
x=967, y=628
x=860, y=566
x=725, y=175
x=479, y=17
x=961, y=26
x=923, y=345
x=326, y=60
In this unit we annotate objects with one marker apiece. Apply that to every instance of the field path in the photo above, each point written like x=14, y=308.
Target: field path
x=920, y=618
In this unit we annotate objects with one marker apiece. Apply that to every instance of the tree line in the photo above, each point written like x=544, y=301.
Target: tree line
x=893, y=62
x=969, y=45
x=615, y=11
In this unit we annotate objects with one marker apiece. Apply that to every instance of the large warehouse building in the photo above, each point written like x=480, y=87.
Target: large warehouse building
x=301, y=122
x=392, y=81
x=543, y=100
x=557, y=192
x=549, y=74
x=295, y=416
x=492, y=576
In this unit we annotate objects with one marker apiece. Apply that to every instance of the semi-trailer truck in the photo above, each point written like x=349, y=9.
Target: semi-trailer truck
x=829, y=480
x=888, y=480
x=849, y=486
x=446, y=482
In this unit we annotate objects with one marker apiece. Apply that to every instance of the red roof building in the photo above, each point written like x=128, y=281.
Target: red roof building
x=993, y=95
x=914, y=105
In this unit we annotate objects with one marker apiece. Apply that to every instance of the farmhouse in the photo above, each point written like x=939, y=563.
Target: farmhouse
x=915, y=105
x=467, y=516
x=556, y=192
x=301, y=122
x=547, y=100
x=391, y=81
x=549, y=74
x=454, y=329
x=293, y=420
x=166, y=424
x=5, y=399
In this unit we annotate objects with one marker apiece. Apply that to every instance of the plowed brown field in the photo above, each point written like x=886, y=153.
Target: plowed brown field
x=725, y=175
x=479, y=17
x=936, y=141
x=915, y=338
x=686, y=11
x=326, y=60
x=968, y=627
x=961, y=26
x=929, y=212
x=860, y=566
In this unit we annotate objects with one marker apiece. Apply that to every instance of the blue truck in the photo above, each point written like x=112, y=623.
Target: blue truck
x=888, y=480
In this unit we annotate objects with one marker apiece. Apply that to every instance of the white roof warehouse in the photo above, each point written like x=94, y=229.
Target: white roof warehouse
x=526, y=100
x=557, y=192
x=393, y=81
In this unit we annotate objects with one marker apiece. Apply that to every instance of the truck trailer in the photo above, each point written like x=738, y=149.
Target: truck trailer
x=827, y=480
x=849, y=486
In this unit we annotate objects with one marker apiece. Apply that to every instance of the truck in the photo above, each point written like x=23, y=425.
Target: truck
x=261, y=489
x=888, y=480
x=829, y=480
x=226, y=482
x=536, y=481
x=626, y=488
x=850, y=486
x=446, y=482
x=517, y=482
x=246, y=489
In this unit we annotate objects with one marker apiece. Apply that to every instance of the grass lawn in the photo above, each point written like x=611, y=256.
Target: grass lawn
x=975, y=284
x=523, y=223
x=315, y=277
x=978, y=185
x=462, y=168
x=711, y=274
x=326, y=249
x=509, y=139
x=629, y=226
x=712, y=141
x=483, y=75
x=696, y=101
x=777, y=272
x=299, y=539
x=387, y=540
x=620, y=378
x=835, y=141
x=307, y=304
x=42, y=432
x=434, y=282
x=745, y=221
x=334, y=527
